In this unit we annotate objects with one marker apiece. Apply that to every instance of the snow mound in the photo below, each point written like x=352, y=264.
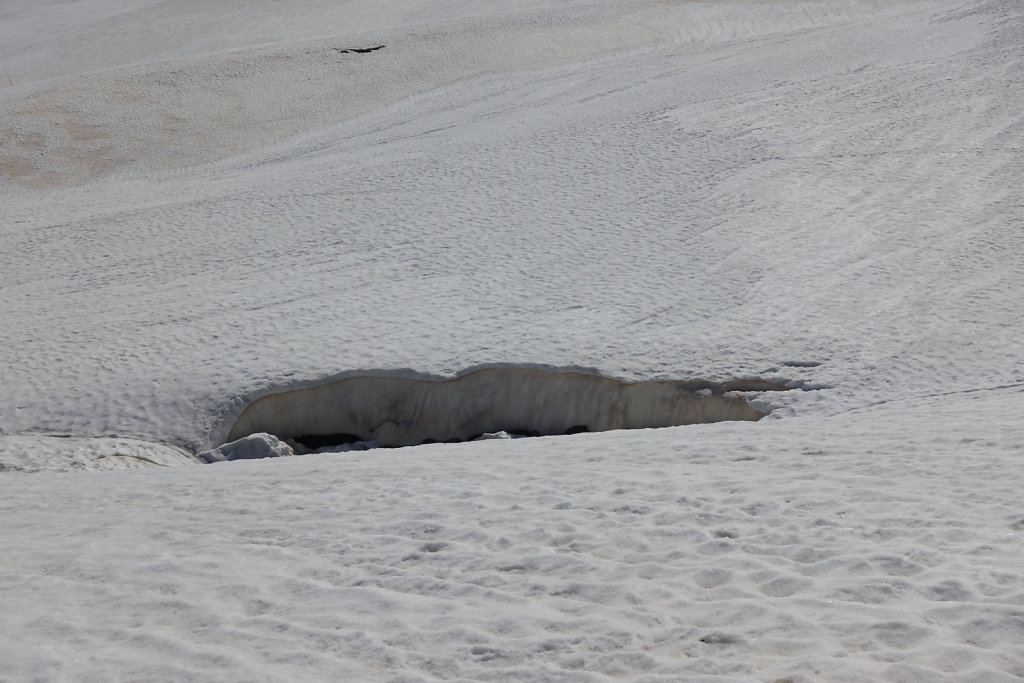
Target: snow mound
x=252, y=447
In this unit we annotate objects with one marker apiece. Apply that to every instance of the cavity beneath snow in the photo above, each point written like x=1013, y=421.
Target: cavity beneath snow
x=402, y=411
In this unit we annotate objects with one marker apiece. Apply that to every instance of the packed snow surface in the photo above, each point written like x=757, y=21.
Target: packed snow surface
x=205, y=204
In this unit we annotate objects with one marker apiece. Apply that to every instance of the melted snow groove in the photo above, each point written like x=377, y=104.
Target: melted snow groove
x=399, y=411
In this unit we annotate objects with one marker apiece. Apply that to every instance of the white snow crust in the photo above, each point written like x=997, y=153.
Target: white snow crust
x=205, y=203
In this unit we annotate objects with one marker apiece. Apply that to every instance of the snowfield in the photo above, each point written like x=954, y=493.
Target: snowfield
x=205, y=204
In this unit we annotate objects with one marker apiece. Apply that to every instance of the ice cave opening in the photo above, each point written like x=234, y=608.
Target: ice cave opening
x=359, y=412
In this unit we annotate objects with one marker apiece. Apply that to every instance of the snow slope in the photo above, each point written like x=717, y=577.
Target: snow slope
x=883, y=545
x=200, y=205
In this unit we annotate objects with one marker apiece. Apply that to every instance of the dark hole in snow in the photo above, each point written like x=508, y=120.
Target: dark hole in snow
x=801, y=363
x=315, y=441
x=358, y=50
x=360, y=412
x=719, y=638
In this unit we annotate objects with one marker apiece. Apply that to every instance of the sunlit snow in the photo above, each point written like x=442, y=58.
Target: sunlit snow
x=204, y=206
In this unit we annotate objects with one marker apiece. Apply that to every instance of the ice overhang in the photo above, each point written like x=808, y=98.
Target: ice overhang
x=403, y=411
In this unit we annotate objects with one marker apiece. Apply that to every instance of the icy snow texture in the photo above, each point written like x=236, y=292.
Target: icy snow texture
x=203, y=203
